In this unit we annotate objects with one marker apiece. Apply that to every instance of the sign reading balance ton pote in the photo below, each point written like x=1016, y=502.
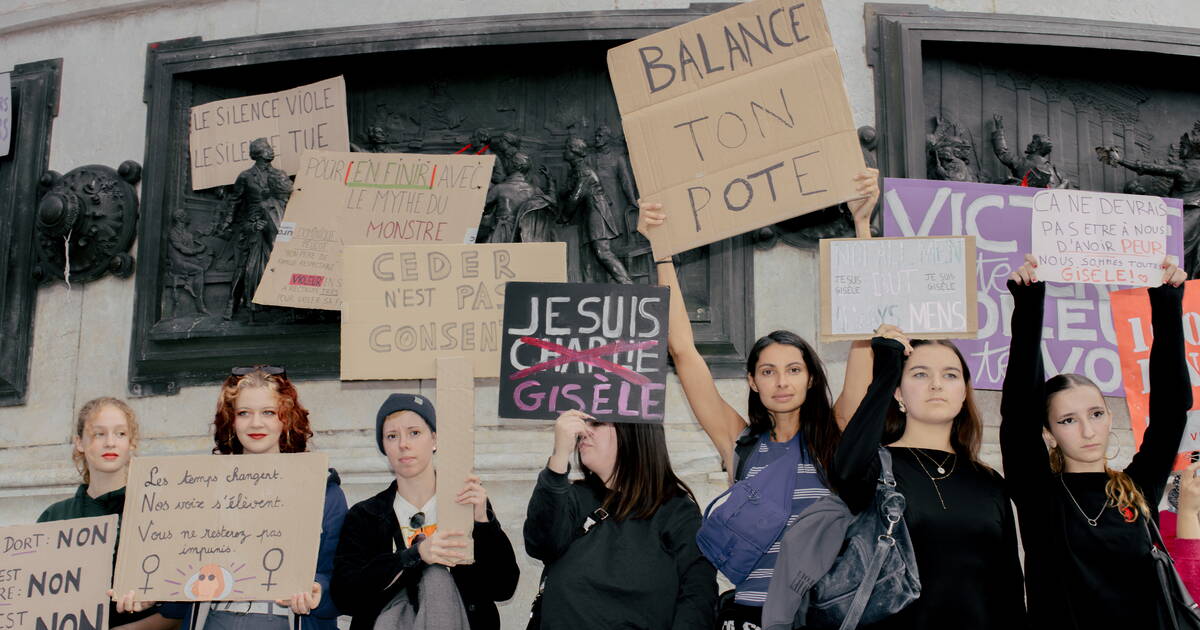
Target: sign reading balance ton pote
x=925, y=286
x=407, y=305
x=343, y=199
x=219, y=527
x=308, y=118
x=600, y=348
x=1131, y=319
x=1099, y=238
x=737, y=120
x=53, y=576
x=1079, y=334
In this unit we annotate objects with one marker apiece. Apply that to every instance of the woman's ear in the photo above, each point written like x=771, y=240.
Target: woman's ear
x=1049, y=437
x=750, y=380
x=78, y=442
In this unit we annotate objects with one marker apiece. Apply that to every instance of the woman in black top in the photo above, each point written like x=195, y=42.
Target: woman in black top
x=1087, y=557
x=957, y=513
x=619, y=545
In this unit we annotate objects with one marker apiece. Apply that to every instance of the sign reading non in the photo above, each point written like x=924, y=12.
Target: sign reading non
x=6, y=113
x=737, y=120
x=406, y=305
x=600, y=348
x=368, y=199
x=217, y=527
x=54, y=576
x=308, y=118
x=925, y=286
x=1079, y=332
x=1099, y=238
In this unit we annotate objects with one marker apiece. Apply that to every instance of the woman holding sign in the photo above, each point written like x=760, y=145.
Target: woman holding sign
x=395, y=568
x=790, y=420
x=1087, y=529
x=259, y=412
x=619, y=545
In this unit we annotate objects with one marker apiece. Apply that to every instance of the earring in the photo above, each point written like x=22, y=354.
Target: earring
x=1113, y=456
x=902, y=409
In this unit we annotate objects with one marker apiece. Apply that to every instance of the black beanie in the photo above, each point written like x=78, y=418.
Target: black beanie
x=404, y=402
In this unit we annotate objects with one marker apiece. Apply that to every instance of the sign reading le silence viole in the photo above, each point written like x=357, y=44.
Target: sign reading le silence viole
x=599, y=348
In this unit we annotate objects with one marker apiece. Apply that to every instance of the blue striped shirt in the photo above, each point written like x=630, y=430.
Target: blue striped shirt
x=753, y=590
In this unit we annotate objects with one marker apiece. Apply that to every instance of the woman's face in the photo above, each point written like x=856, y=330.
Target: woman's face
x=932, y=388
x=781, y=378
x=256, y=420
x=598, y=449
x=408, y=443
x=106, y=444
x=1079, y=424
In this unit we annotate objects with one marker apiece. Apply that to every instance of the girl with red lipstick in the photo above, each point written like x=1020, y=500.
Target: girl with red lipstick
x=788, y=408
x=1086, y=527
x=259, y=412
x=106, y=432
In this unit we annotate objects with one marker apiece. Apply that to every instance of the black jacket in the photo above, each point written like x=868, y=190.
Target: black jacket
x=366, y=565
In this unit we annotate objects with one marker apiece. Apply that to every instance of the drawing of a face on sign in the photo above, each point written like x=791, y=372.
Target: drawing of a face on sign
x=212, y=581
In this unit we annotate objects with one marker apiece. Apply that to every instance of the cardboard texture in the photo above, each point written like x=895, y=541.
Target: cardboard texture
x=601, y=348
x=456, y=445
x=54, y=576
x=218, y=527
x=1080, y=334
x=343, y=199
x=406, y=305
x=1099, y=238
x=307, y=118
x=736, y=120
x=6, y=113
x=1132, y=323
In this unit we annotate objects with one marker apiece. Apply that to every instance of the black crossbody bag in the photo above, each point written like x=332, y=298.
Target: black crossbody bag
x=535, y=609
x=1182, y=611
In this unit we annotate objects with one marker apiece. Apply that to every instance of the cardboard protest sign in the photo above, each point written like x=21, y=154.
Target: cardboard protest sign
x=345, y=199
x=308, y=118
x=924, y=285
x=601, y=348
x=6, y=113
x=216, y=527
x=1132, y=323
x=1079, y=332
x=1099, y=238
x=736, y=120
x=54, y=576
x=456, y=446
x=406, y=305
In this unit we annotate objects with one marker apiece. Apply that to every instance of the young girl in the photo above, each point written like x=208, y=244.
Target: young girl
x=958, y=515
x=1087, y=551
x=259, y=412
x=392, y=547
x=106, y=433
x=788, y=406
x=619, y=546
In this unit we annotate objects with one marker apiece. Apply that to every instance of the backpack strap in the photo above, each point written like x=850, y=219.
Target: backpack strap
x=742, y=448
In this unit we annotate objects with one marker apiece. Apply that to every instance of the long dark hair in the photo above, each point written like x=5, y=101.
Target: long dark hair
x=817, y=423
x=643, y=480
x=1121, y=491
x=966, y=434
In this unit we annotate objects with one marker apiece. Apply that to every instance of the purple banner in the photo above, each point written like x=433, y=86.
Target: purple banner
x=1078, y=334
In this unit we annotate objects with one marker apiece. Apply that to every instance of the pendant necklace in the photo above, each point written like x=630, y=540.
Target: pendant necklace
x=941, y=468
x=1090, y=521
x=932, y=479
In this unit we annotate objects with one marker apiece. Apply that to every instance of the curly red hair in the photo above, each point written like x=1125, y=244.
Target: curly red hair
x=296, y=430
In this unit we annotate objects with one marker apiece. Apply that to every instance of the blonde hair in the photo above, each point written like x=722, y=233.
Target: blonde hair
x=89, y=411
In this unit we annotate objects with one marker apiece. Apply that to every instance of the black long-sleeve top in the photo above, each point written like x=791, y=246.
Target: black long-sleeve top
x=634, y=573
x=966, y=553
x=1080, y=576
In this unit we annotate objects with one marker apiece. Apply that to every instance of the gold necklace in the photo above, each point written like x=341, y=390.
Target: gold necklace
x=933, y=479
x=1090, y=521
x=941, y=468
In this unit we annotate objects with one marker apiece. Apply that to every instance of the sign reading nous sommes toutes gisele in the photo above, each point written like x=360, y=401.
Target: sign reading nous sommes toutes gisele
x=221, y=527
x=53, y=576
x=925, y=286
x=737, y=120
x=600, y=348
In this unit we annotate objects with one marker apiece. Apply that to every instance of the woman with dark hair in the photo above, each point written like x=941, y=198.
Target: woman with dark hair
x=619, y=545
x=789, y=415
x=259, y=412
x=1087, y=545
x=920, y=404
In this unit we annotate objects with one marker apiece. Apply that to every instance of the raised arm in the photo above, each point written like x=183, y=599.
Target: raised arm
x=856, y=464
x=858, y=363
x=555, y=514
x=1170, y=388
x=1023, y=402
